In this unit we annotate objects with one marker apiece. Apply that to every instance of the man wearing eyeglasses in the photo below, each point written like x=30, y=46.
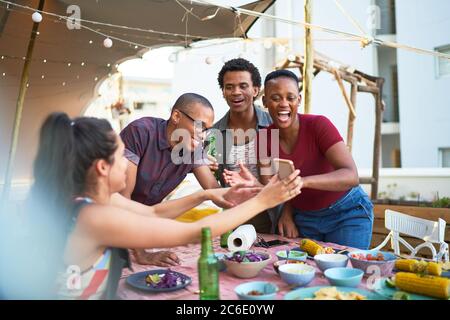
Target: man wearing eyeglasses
x=162, y=152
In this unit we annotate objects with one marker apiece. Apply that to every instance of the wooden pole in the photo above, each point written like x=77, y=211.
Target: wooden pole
x=309, y=58
x=377, y=141
x=348, y=102
x=351, y=118
x=19, y=109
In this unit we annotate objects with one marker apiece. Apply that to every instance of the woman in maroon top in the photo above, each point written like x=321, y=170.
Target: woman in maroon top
x=332, y=207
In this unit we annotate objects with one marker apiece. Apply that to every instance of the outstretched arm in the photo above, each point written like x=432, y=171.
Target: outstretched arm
x=99, y=222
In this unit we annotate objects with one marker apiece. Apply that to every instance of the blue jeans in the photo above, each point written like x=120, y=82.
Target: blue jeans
x=347, y=222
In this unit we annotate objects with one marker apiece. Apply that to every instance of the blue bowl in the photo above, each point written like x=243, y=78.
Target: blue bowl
x=293, y=255
x=268, y=290
x=297, y=274
x=328, y=261
x=344, y=277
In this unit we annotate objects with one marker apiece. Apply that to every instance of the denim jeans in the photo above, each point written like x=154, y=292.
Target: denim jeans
x=347, y=222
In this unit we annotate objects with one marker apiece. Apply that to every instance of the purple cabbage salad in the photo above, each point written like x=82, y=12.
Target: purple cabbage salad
x=246, y=256
x=169, y=279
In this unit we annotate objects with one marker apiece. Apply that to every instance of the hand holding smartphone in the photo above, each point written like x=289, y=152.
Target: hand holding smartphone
x=283, y=167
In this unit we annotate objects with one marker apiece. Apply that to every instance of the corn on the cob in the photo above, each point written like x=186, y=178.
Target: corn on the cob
x=411, y=265
x=432, y=286
x=313, y=248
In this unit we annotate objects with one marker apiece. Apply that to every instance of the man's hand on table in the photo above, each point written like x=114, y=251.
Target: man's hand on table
x=158, y=258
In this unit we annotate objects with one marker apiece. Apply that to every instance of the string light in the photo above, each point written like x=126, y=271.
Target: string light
x=95, y=79
x=82, y=64
x=43, y=76
x=107, y=43
x=37, y=17
x=173, y=57
x=91, y=42
x=4, y=74
x=64, y=83
x=209, y=60
x=44, y=61
x=69, y=64
x=108, y=65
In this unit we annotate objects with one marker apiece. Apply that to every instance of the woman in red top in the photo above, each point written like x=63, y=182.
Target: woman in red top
x=332, y=207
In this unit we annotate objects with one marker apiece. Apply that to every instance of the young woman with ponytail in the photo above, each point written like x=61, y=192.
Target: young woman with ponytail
x=79, y=170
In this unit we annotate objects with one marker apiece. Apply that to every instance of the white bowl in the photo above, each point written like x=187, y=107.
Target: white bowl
x=328, y=261
x=297, y=274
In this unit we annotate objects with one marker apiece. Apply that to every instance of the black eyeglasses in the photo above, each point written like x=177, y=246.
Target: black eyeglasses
x=205, y=129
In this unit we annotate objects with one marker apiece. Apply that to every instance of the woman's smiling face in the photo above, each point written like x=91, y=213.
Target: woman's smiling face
x=282, y=98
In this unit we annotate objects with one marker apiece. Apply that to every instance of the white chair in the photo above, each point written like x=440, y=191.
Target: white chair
x=430, y=232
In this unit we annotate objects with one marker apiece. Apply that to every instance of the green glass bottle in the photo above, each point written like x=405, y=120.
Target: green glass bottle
x=208, y=269
x=224, y=239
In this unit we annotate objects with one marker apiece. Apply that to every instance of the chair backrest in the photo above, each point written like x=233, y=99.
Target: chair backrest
x=430, y=231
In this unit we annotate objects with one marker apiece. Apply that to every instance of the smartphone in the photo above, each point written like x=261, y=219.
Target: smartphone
x=283, y=167
x=275, y=243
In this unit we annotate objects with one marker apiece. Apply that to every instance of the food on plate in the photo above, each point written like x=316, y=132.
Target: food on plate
x=368, y=257
x=400, y=295
x=169, y=279
x=246, y=256
x=427, y=285
x=313, y=248
x=415, y=266
x=255, y=293
x=332, y=293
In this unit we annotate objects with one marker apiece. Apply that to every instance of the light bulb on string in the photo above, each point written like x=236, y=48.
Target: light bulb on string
x=91, y=42
x=82, y=64
x=107, y=43
x=37, y=17
x=173, y=57
x=209, y=60
x=44, y=61
x=63, y=84
x=4, y=74
x=69, y=64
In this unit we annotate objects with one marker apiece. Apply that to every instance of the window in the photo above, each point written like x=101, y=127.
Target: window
x=444, y=157
x=443, y=65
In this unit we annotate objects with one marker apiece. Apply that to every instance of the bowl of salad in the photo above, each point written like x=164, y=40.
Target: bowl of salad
x=373, y=261
x=246, y=264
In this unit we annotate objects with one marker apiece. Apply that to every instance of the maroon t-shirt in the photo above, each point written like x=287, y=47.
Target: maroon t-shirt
x=317, y=134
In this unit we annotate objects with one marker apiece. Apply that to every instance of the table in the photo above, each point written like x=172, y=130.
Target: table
x=189, y=255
